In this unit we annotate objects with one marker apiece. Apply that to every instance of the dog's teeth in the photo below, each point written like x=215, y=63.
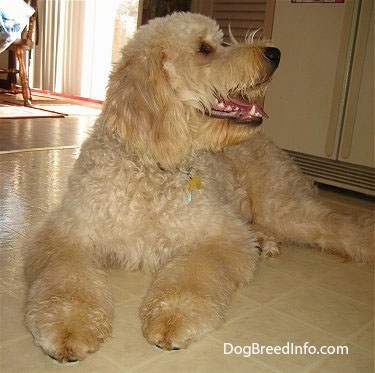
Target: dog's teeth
x=228, y=108
x=221, y=105
x=253, y=110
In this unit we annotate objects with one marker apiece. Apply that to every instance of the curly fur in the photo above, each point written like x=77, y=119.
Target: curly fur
x=126, y=203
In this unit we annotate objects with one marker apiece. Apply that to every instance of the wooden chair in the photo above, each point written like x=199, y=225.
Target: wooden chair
x=17, y=54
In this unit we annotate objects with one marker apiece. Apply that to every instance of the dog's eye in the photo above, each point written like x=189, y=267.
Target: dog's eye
x=205, y=48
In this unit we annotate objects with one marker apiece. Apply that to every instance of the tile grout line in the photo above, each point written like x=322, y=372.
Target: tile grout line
x=295, y=319
x=356, y=333
x=343, y=296
x=39, y=149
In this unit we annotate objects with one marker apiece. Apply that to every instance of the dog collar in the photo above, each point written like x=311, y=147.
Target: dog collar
x=194, y=183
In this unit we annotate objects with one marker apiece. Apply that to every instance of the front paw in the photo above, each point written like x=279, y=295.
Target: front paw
x=68, y=331
x=173, y=319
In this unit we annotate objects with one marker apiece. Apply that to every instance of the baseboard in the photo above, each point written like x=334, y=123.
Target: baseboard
x=336, y=173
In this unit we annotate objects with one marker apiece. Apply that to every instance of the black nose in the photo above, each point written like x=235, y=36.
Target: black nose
x=273, y=55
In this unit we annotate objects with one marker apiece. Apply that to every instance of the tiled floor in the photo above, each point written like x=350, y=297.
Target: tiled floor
x=304, y=297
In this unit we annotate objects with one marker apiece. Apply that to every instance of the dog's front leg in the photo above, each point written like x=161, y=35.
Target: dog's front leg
x=191, y=292
x=68, y=305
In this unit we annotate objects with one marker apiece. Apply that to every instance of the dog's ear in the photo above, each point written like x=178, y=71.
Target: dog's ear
x=142, y=111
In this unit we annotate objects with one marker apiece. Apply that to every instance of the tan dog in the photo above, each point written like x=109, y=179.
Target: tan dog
x=176, y=178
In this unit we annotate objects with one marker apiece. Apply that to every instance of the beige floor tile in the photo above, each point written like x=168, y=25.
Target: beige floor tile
x=25, y=220
x=130, y=283
x=127, y=346
x=22, y=356
x=326, y=310
x=8, y=237
x=365, y=338
x=303, y=263
x=11, y=319
x=352, y=280
x=269, y=284
x=239, y=306
x=11, y=274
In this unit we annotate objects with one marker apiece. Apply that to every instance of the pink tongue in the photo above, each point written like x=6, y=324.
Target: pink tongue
x=248, y=106
x=239, y=102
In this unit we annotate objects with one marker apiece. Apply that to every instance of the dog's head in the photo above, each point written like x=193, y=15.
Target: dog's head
x=179, y=89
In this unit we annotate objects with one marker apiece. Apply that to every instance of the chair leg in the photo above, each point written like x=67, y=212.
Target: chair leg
x=23, y=76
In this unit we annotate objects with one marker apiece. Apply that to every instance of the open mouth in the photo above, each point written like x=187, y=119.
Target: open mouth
x=238, y=110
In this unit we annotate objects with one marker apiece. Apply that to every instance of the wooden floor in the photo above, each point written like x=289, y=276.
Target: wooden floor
x=304, y=297
x=29, y=134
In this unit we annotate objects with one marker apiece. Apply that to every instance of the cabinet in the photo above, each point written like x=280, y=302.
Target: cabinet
x=321, y=102
x=241, y=15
